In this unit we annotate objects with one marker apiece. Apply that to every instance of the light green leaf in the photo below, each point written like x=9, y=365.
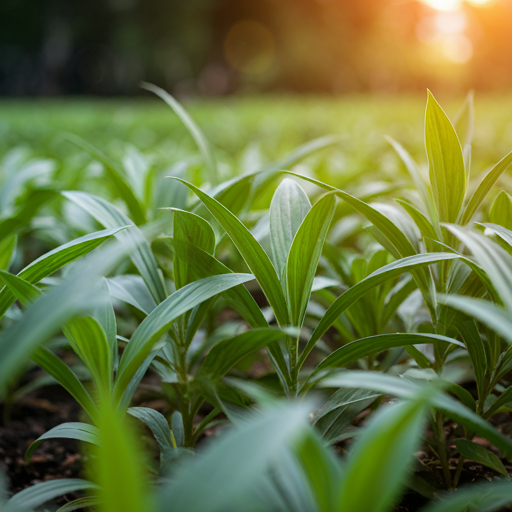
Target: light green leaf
x=304, y=254
x=7, y=246
x=501, y=210
x=446, y=163
x=133, y=290
x=52, y=261
x=392, y=437
x=484, y=187
x=289, y=206
x=490, y=314
x=109, y=216
x=116, y=177
x=87, y=338
x=190, y=124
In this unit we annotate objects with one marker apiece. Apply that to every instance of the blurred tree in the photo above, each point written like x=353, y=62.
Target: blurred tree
x=216, y=47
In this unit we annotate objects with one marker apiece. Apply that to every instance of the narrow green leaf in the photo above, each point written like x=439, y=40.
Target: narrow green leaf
x=190, y=124
x=7, y=246
x=42, y=492
x=484, y=187
x=304, y=255
x=446, y=163
x=202, y=265
x=478, y=453
x=345, y=300
x=161, y=318
x=392, y=437
x=406, y=389
x=289, y=206
x=52, y=261
x=116, y=177
x=156, y=423
x=87, y=338
x=492, y=315
x=357, y=349
x=227, y=353
x=496, y=262
x=65, y=377
x=109, y=216
x=189, y=227
x=251, y=251
x=25, y=292
x=133, y=290
x=74, y=430
x=501, y=210
x=477, y=497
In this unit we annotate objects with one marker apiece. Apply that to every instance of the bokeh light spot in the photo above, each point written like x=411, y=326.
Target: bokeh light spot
x=250, y=47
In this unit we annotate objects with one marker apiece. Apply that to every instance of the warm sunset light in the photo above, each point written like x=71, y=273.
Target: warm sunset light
x=452, y=5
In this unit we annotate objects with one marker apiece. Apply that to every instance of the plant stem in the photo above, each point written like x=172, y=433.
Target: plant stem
x=293, y=353
x=460, y=466
x=438, y=426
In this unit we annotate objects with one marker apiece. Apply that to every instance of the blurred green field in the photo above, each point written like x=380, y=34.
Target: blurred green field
x=275, y=124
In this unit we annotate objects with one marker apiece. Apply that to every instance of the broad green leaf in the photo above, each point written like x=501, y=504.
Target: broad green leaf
x=304, y=254
x=42, y=492
x=65, y=377
x=477, y=497
x=189, y=227
x=357, y=349
x=406, y=389
x=345, y=300
x=190, y=124
x=227, y=353
x=392, y=437
x=75, y=430
x=289, y=206
x=251, y=251
x=445, y=160
x=87, y=338
x=116, y=177
x=109, y=216
x=484, y=187
x=52, y=261
x=478, y=453
x=161, y=318
x=501, y=210
x=156, y=423
x=221, y=476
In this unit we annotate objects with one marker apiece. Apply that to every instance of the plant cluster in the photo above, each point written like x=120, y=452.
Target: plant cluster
x=323, y=345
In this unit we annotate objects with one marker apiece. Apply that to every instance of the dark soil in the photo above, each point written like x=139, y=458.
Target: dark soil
x=35, y=414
